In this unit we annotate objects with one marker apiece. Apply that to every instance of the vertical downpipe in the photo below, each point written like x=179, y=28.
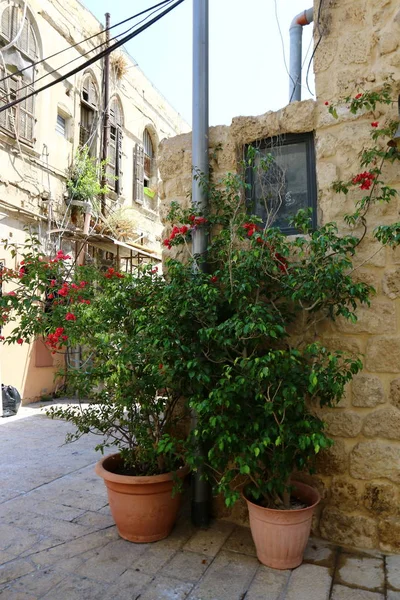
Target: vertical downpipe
x=200, y=487
x=296, y=37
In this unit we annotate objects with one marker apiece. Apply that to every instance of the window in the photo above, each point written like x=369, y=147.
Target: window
x=283, y=180
x=61, y=125
x=114, y=162
x=20, y=119
x=148, y=157
x=138, y=173
x=89, y=108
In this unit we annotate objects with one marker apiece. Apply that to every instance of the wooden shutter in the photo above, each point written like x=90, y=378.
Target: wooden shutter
x=26, y=113
x=138, y=173
x=118, y=164
x=6, y=23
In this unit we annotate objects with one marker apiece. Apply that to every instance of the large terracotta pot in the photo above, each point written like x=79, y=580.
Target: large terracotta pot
x=142, y=507
x=280, y=536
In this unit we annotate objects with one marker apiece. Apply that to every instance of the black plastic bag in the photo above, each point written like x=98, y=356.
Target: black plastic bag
x=11, y=400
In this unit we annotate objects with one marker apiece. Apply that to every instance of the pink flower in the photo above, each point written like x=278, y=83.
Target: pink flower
x=374, y=124
x=214, y=279
x=358, y=96
x=70, y=317
x=63, y=292
x=20, y=341
x=2, y=338
x=326, y=103
x=11, y=294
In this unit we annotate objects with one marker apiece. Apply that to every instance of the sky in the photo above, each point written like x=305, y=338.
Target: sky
x=247, y=65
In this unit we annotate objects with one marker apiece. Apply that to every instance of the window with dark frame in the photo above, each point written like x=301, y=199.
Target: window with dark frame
x=283, y=180
x=19, y=120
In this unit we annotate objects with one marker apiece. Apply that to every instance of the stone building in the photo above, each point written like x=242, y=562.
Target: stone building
x=39, y=139
x=359, y=477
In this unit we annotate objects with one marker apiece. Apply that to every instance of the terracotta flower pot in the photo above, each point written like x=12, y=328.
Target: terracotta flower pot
x=280, y=536
x=142, y=507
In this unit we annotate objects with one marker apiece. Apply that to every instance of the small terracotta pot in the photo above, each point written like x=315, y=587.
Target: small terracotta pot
x=280, y=536
x=142, y=507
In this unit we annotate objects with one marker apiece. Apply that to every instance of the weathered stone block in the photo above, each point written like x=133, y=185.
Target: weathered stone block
x=389, y=534
x=381, y=498
x=367, y=391
x=383, y=354
x=379, y=318
x=383, y=423
x=391, y=283
x=344, y=494
x=333, y=460
x=394, y=394
x=374, y=459
x=327, y=172
x=355, y=48
x=342, y=424
x=388, y=42
x=370, y=252
x=350, y=530
x=326, y=145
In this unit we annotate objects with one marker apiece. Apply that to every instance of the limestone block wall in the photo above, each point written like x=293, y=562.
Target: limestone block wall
x=359, y=478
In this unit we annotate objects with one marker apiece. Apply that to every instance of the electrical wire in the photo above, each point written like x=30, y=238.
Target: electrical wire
x=24, y=87
x=98, y=56
x=320, y=31
x=283, y=43
x=47, y=58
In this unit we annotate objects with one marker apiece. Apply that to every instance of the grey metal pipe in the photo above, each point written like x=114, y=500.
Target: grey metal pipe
x=296, y=36
x=200, y=116
x=201, y=493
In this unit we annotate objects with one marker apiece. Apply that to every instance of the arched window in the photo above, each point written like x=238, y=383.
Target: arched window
x=148, y=157
x=114, y=159
x=19, y=120
x=89, y=110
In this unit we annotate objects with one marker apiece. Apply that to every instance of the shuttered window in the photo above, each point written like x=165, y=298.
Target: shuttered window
x=114, y=159
x=19, y=120
x=88, y=120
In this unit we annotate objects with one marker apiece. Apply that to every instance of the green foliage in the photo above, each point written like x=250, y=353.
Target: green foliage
x=236, y=337
x=84, y=179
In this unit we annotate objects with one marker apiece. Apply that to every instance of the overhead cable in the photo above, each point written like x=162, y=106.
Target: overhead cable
x=91, y=61
x=47, y=58
x=28, y=85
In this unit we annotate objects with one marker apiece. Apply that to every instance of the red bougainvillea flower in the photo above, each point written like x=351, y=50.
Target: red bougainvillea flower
x=82, y=284
x=358, y=96
x=2, y=338
x=214, y=279
x=160, y=366
x=200, y=221
x=20, y=341
x=63, y=292
x=365, y=180
x=50, y=296
x=53, y=283
x=250, y=228
x=11, y=294
x=326, y=103
x=374, y=124
x=70, y=317
x=167, y=244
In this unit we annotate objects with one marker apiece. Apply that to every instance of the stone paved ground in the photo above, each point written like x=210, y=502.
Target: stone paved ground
x=58, y=541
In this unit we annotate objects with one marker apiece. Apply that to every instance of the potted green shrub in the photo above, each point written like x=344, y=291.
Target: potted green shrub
x=98, y=320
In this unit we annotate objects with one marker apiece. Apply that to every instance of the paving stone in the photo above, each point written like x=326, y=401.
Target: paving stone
x=320, y=552
x=153, y=558
x=110, y=562
x=10, y=594
x=393, y=571
x=14, y=569
x=340, y=592
x=166, y=588
x=228, y=577
x=94, y=520
x=16, y=540
x=241, y=541
x=187, y=566
x=73, y=547
x=361, y=572
x=38, y=583
x=128, y=586
x=268, y=584
x=309, y=582
x=76, y=588
x=49, y=527
x=210, y=541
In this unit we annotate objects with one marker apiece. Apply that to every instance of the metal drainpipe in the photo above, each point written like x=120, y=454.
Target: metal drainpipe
x=200, y=487
x=296, y=35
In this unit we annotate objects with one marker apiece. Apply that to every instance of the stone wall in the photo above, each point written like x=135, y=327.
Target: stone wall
x=359, y=477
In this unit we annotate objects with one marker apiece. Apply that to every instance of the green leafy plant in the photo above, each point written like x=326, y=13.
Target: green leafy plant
x=85, y=175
